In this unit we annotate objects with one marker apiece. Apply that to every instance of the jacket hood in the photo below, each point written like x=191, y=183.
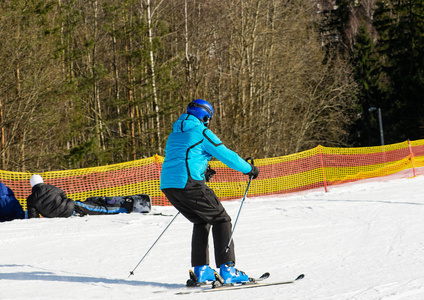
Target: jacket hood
x=186, y=122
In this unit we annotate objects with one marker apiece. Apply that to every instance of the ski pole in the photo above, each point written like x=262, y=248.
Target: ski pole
x=132, y=272
x=242, y=201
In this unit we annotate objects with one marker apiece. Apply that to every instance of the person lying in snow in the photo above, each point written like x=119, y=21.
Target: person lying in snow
x=10, y=208
x=51, y=202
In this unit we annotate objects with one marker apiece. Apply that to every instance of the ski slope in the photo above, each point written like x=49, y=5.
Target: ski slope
x=358, y=241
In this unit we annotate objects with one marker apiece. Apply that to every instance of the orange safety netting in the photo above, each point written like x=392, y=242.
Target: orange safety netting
x=319, y=167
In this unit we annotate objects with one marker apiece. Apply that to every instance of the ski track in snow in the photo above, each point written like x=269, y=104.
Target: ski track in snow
x=358, y=241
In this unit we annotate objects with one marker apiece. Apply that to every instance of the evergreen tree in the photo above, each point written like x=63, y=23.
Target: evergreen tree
x=400, y=25
x=366, y=65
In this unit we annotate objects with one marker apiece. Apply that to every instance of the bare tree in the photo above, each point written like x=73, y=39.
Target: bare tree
x=153, y=76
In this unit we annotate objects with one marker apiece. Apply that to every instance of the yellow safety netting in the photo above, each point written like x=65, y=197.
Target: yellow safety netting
x=319, y=167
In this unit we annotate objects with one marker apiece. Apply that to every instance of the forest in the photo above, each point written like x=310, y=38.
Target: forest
x=94, y=82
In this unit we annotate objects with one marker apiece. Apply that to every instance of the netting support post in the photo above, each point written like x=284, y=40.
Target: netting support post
x=159, y=171
x=322, y=167
x=411, y=154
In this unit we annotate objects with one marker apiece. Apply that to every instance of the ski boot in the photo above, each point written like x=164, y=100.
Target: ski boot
x=232, y=275
x=201, y=275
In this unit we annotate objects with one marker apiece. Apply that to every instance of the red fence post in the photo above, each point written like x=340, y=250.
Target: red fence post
x=322, y=167
x=159, y=171
x=411, y=154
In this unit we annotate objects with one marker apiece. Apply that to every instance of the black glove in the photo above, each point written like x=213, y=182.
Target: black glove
x=254, y=172
x=209, y=173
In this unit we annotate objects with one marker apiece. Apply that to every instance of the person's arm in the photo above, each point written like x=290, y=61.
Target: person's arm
x=217, y=149
x=17, y=208
x=19, y=212
x=33, y=213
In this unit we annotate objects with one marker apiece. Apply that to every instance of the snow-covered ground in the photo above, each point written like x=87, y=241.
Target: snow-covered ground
x=358, y=241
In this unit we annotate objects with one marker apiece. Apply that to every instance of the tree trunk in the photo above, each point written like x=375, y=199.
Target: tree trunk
x=153, y=78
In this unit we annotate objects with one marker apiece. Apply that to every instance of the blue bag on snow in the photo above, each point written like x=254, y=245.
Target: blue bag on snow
x=114, y=205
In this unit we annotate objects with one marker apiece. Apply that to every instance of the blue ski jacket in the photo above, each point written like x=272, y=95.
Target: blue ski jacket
x=10, y=208
x=188, y=150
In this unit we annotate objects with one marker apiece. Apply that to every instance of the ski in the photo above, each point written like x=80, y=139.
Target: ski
x=252, y=285
x=254, y=282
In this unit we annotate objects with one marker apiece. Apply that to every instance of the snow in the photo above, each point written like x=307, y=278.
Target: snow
x=357, y=241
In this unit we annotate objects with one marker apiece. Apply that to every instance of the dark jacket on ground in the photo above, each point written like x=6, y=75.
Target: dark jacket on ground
x=10, y=208
x=49, y=201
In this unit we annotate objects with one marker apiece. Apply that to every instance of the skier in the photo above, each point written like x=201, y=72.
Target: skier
x=188, y=150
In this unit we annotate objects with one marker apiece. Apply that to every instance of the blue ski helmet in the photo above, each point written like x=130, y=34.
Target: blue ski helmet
x=201, y=109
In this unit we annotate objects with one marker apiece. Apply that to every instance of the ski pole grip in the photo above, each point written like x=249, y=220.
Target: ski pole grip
x=252, y=163
x=251, y=160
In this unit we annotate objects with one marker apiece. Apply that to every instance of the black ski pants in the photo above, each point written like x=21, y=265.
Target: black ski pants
x=202, y=207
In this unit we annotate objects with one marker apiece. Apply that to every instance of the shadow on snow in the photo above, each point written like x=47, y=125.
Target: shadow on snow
x=50, y=276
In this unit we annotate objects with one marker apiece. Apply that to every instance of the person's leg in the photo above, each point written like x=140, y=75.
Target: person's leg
x=181, y=200
x=185, y=202
x=200, y=253
x=189, y=202
x=202, y=206
x=200, y=244
x=221, y=230
x=221, y=235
